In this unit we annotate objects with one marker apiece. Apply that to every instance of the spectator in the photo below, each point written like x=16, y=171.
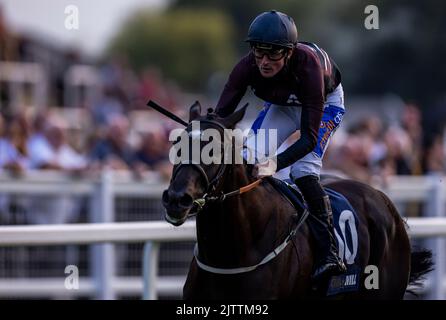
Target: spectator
x=11, y=157
x=434, y=161
x=106, y=107
x=118, y=76
x=153, y=86
x=19, y=130
x=153, y=154
x=399, y=150
x=114, y=150
x=54, y=152
x=37, y=140
x=411, y=123
x=352, y=158
x=371, y=129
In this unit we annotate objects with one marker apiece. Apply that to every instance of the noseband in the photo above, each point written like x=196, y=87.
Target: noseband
x=210, y=185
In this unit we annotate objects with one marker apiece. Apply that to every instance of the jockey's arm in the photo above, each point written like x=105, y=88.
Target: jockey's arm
x=234, y=90
x=312, y=82
x=229, y=100
x=310, y=122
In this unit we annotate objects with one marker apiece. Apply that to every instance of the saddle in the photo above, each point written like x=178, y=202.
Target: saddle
x=345, y=222
x=290, y=191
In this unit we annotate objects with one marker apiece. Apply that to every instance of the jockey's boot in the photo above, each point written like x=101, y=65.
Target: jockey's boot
x=321, y=225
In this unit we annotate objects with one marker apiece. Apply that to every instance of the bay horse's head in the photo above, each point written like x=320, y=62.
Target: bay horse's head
x=192, y=179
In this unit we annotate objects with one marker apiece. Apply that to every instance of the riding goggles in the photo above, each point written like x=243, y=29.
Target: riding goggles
x=273, y=55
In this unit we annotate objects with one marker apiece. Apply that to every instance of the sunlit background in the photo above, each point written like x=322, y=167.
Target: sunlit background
x=76, y=134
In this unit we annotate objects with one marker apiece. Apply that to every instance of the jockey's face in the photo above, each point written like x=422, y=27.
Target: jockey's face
x=270, y=62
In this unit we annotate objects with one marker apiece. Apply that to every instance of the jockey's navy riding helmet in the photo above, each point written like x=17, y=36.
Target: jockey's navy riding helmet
x=272, y=29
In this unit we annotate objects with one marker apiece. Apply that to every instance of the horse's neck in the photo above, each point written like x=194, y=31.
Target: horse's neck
x=230, y=232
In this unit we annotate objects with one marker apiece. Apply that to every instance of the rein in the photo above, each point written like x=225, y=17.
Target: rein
x=201, y=202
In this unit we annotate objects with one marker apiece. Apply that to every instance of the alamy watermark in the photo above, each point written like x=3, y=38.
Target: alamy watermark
x=228, y=146
x=371, y=282
x=371, y=22
x=72, y=278
x=72, y=17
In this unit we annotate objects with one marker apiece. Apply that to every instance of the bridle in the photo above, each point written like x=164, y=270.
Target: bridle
x=212, y=184
x=209, y=183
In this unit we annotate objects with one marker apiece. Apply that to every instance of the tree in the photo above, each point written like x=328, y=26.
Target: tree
x=186, y=45
x=243, y=12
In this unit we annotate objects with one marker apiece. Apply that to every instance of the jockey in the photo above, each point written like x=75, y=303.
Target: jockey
x=302, y=89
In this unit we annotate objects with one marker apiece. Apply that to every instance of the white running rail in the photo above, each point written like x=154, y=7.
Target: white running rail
x=102, y=191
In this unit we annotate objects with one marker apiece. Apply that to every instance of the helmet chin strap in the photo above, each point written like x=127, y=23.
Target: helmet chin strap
x=288, y=55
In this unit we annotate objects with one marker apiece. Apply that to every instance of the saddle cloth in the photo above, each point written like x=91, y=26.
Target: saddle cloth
x=345, y=222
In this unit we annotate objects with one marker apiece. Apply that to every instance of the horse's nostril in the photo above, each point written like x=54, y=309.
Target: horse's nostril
x=186, y=201
x=181, y=200
x=165, y=197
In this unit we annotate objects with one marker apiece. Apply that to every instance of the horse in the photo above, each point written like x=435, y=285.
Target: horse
x=242, y=223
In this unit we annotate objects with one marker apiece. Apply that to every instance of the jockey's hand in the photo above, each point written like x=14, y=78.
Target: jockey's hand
x=264, y=169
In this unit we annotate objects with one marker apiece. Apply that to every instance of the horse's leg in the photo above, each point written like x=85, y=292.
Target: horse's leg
x=193, y=287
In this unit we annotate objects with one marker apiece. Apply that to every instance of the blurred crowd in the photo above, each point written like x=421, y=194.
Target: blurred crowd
x=103, y=133
x=370, y=150
x=47, y=142
x=367, y=150
x=111, y=133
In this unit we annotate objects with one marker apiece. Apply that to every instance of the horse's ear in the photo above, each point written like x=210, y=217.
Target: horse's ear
x=194, y=111
x=231, y=120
